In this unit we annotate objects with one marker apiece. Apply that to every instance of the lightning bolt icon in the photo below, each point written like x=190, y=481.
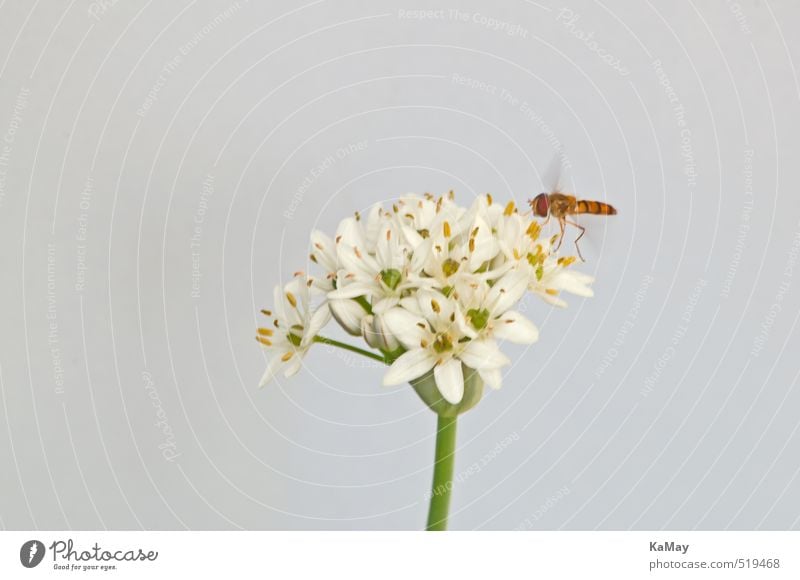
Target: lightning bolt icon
x=34, y=549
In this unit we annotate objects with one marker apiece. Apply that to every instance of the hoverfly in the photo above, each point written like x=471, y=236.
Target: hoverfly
x=561, y=205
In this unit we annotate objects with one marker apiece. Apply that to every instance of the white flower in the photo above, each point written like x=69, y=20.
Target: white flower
x=295, y=324
x=418, y=217
x=555, y=276
x=458, y=251
x=382, y=274
x=489, y=309
x=436, y=336
x=548, y=274
x=431, y=285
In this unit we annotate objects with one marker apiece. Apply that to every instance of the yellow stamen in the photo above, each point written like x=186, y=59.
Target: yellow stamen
x=435, y=305
x=292, y=300
x=266, y=313
x=533, y=230
x=489, y=198
x=472, y=244
x=446, y=229
x=566, y=261
x=509, y=209
x=287, y=356
x=266, y=331
x=264, y=341
x=552, y=292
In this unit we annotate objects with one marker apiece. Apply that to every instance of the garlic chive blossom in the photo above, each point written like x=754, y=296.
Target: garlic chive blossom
x=429, y=285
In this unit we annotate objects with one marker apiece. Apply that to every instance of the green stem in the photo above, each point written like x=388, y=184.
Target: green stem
x=442, y=473
x=350, y=347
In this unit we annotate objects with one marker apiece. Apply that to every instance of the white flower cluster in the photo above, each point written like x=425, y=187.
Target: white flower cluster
x=429, y=284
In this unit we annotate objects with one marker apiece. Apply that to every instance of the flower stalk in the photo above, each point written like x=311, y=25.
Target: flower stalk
x=442, y=473
x=350, y=347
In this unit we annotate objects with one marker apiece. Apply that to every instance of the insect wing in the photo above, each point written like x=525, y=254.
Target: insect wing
x=556, y=178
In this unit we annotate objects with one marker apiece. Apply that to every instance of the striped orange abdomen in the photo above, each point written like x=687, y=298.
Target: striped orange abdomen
x=594, y=207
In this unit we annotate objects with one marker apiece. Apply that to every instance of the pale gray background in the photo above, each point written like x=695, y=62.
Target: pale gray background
x=263, y=94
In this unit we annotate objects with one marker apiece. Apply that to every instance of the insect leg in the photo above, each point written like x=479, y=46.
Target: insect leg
x=561, y=222
x=583, y=231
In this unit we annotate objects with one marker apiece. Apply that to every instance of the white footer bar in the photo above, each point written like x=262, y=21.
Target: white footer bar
x=390, y=555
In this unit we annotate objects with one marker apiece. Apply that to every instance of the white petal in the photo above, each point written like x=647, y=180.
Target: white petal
x=412, y=237
x=409, y=366
x=373, y=223
x=318, y=320
x=272, y=368
x=450, y=380
x=352, y=290
x=350, y=233
x=492, y=377
x=324, y=249
x=550, y=299
x=355, y=259
x=486, y=246
x=387, y=249
x=377, y=334
x=420, y=256
x=483, y=354
x=348, y=314
x=293, y=365
x=385, y=304
x=405, y=326
x=514, y=327
x=507, y=291
x=435, y=306
x=576, y=283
